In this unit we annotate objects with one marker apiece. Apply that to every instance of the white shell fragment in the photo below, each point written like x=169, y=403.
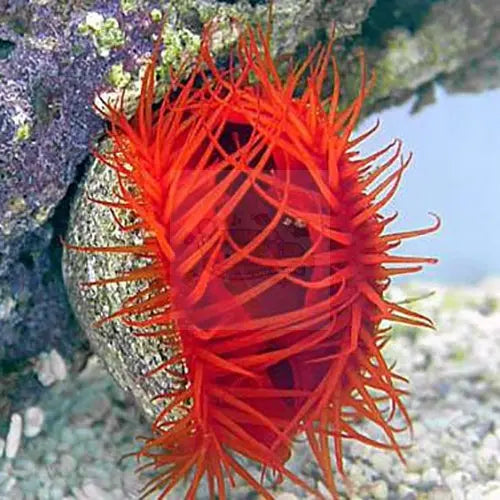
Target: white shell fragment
x=58, y=365
x=13, y=440
x=43, y=371
x=33, y=421
x=50, y=368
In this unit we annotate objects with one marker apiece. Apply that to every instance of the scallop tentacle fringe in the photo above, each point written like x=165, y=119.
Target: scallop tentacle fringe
x=219, y=138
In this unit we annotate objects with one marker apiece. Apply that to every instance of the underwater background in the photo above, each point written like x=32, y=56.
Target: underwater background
x=456, y=174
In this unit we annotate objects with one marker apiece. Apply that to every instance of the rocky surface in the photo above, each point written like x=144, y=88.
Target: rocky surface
x=127, y=357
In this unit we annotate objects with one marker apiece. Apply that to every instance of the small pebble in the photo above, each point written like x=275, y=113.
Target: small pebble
x=431, y=476
x=406, y=493
x=412, y=478
x=380, y=490
x=33, y=421
x=382, y=462
x=13, y=440
x=493, y=491
x=50, y=368
x=440, y=493
x=92, y=491
x=456, y=482
x=16, y=493
x=57, y=365
x=94, y=20
x=8, y=486
x=286, y=496
x=78, y=494
x=67, y=464
x=56, y=493
x=43, y=370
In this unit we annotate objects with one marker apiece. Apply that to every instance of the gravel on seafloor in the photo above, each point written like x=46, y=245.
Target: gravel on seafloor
x=68, y=447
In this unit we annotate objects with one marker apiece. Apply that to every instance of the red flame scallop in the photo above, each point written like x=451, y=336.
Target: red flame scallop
x=267, y=266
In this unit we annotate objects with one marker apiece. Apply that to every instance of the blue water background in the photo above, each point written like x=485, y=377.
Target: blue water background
x=455, y=173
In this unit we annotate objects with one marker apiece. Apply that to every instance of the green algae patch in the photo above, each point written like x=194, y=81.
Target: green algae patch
x=23, y=132
x=118, y=77
x=128, y=6
x=105, y=32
